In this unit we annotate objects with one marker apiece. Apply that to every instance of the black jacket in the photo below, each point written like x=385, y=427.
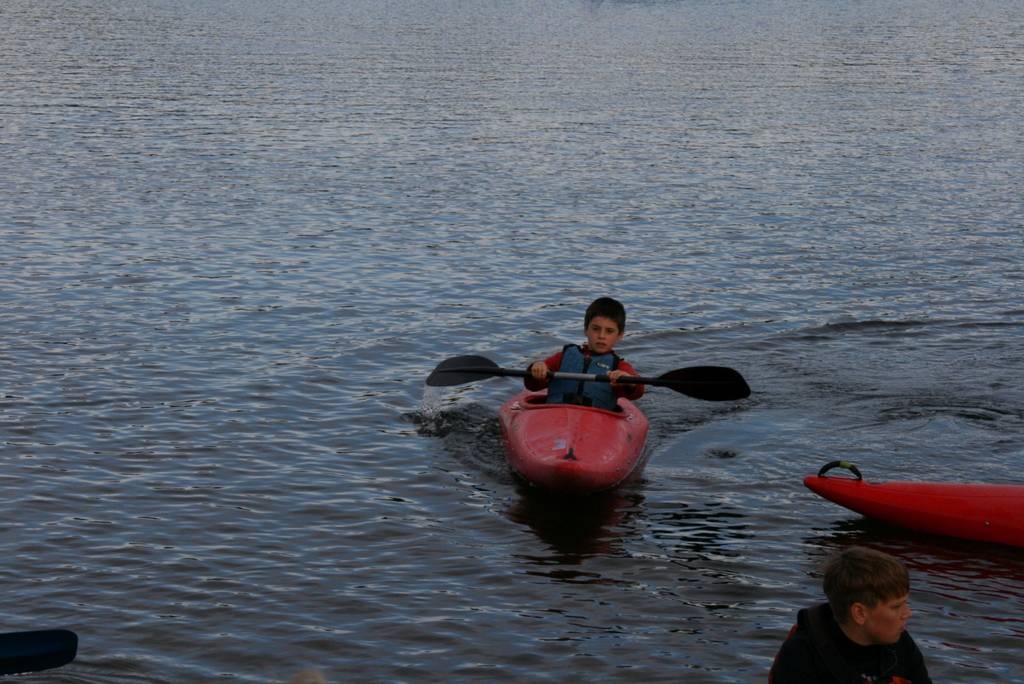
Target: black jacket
x=817, y=652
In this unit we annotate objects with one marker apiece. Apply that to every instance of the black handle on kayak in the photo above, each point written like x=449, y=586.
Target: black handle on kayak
x=848, y=465
x=711, y=383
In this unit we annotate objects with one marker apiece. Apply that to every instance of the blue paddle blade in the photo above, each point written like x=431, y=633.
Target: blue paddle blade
x=36, y=650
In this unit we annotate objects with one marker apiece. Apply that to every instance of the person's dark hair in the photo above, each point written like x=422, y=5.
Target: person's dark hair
x=862, y=575
x=609, y=308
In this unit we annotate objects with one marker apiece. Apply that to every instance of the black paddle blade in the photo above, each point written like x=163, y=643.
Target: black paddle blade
x=459, y=370
x=710, y=383
x=38, y=650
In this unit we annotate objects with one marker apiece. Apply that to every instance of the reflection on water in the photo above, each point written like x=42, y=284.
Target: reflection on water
x=699, y=529
x=574, y=528
x=951, y=565
x=625, y=524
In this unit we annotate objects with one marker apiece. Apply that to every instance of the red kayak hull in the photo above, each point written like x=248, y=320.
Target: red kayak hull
x=980, y=512
x=572, y=449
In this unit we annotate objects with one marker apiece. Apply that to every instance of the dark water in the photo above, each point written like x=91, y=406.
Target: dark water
x=237, y=236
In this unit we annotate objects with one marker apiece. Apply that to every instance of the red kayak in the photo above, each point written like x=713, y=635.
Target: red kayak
x=573, y=449
x=981, y=512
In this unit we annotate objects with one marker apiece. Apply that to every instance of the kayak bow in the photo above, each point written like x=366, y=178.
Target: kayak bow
x=572, y=449
x=975, y=511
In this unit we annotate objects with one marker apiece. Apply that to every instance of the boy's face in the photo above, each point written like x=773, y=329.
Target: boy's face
x=602, y=334
x=885, y=621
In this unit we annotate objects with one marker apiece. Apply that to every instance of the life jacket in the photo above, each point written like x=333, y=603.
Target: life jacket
x=596, y=394
x=817, y=623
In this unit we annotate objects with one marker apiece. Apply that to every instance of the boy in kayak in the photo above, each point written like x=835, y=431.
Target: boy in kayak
x=859, y=635
x=604, y=324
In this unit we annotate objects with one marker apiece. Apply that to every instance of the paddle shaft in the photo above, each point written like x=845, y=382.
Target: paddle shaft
x=582, y=377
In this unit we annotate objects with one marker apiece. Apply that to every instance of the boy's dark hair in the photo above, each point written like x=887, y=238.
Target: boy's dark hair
x=609, y=308
x=862, y=575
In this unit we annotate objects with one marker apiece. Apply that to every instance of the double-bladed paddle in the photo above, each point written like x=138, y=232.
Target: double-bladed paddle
x=36, y=650
x=711, y=383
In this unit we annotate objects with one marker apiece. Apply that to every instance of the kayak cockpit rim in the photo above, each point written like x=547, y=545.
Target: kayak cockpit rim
x=538, y=400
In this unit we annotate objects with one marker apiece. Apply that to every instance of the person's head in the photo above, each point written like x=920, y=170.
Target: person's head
x=604, y=324
x=867, y=591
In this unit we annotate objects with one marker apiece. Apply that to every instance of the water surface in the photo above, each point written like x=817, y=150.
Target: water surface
x=237, y=236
